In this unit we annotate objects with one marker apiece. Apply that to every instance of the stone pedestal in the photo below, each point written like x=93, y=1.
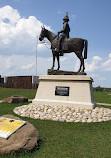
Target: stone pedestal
x=65, y=90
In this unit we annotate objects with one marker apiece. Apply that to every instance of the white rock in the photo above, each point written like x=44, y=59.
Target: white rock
x=89, y=120
x=61, y=120
x=36, y=116
x=64, y=113
x=71, y=120
x=100, y=120
x=83, y=121
x=77, y=121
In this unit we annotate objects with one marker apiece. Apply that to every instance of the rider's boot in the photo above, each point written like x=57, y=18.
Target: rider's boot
x=61, y=53
x=60, y=49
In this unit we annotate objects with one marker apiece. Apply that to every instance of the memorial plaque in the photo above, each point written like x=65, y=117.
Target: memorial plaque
x=62, y=91
x=9, y=126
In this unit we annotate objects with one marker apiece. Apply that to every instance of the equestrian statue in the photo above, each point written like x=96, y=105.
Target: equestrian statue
x=63, y=44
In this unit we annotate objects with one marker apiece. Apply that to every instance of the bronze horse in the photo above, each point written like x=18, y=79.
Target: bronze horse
x=74, y=45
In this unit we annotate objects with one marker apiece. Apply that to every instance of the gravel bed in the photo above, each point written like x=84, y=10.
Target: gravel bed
x=64, y=113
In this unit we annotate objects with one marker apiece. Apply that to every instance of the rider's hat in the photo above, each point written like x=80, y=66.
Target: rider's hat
x=66, y=17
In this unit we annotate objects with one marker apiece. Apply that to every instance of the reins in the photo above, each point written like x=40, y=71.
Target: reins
x=45, y=43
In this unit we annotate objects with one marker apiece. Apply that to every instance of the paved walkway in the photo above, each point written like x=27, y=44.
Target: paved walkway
x=103, y=104
x=96, y=103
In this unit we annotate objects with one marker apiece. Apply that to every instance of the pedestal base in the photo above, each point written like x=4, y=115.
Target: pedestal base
x=62, y=72
x=67, y=90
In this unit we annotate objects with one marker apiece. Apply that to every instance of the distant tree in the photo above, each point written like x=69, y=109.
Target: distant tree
x=99, y=89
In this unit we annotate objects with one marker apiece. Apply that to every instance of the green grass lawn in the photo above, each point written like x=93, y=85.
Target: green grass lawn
x=65, y=140
x=102, y=97
x=8, y=92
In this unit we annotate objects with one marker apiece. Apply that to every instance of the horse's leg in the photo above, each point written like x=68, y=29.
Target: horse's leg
x=58, y=62
x=83, y=63
x=53, y=61
x=79, y=56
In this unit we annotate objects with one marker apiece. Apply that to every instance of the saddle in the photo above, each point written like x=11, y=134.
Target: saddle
x=56, y=42
x=65, y=44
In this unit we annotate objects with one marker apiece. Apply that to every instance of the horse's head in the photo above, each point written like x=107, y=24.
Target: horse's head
x=42, y=34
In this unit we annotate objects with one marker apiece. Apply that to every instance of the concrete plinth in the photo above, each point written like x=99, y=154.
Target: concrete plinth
x=67, y=90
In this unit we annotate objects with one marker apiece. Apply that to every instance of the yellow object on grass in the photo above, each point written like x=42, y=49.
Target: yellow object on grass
x=9, y=126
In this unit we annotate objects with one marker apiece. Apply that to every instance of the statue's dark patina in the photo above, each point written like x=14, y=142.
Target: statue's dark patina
x=69, y=45
x=64, y=33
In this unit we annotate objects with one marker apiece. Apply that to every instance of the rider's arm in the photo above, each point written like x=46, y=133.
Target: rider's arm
x=64, y=28
x=60, y=31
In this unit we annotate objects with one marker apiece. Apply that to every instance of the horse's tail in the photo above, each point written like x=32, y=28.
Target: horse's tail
x=85, y=49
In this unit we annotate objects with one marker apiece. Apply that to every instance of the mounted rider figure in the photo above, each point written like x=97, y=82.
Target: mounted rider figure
x=65, y=33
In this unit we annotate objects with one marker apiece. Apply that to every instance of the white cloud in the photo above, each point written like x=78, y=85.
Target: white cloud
x=9, y=13
x=107, y=64
x=97, y=58
x=95, y=64
x=98, y=63
x=16, y=65
x=27, y=66
x=102, y=79
x=20, y=65
x=18, y=39
x=110, y=55
x=77, y=65
x=18, y=35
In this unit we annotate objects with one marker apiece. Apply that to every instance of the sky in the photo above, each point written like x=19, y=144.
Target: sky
x=20, y=25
